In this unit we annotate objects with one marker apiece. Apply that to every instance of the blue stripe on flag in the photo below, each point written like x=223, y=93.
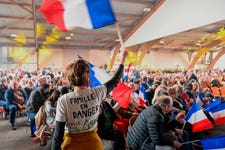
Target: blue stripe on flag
x=93, y=80
x=100, y=12
x=213, y=143
x=216, y=102
x=218, y=108
x=143, y=91
x=195, y=107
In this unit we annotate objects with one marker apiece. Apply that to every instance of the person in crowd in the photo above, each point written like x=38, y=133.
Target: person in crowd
x=50, y=107
x=145, y=83
x=179, y=91
x=45, y=118
x=148, y=130
x=3, y=88
x=29, y=87
x=150, y=92
x=77, y=111
x=107, y=129
x=16, y=99
x=36, y=100
x=191, y=75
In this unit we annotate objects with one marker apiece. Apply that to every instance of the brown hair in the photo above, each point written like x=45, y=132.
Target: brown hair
x=78, y=73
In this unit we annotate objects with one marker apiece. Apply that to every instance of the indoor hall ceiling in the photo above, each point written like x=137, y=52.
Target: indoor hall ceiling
x=18, y=19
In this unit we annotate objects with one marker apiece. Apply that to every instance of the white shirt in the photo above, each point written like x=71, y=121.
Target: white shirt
x=79, y=109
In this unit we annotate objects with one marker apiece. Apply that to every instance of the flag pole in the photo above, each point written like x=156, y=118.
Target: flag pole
x=191, y=142
x=183, y=125
x=120, y=36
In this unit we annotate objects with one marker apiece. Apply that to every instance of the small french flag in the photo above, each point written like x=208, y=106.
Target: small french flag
x=142, y=96
x=198, y=119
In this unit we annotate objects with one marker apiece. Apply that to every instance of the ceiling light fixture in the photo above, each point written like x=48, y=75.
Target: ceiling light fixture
x=68, y=38
x=12, y=35
x=147, y=9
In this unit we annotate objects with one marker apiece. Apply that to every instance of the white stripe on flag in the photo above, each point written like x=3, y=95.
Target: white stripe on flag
x=72, y=14
x=197, y=116
x=100, y=75
x=219, y=114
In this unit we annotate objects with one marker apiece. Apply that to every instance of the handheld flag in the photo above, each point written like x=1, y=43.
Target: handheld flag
x=216, y=101
x=98, y=76
x=199, y=99
x=218, y=113
x=142, y=96
x=121, y=93
x=67, y=14
x=197, y=118
x=214, y=143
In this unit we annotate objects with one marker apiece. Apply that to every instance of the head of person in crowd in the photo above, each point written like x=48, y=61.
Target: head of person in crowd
x=78, y=73
x=14, y=85
x=156, y=84
x=216, y=83
x=179, y=90
x=165, y=102
x=172, y=92
x=64, y=90
x=189, y=86
x=3, y=81
x=137, y=85
x=45, y=88
x=54, y=96
x=157, y=91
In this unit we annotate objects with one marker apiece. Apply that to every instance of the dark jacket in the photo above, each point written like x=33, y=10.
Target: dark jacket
x=3, y=89
x=9, y=97
x=106, y=118
x=36, y=100
x=148, y=130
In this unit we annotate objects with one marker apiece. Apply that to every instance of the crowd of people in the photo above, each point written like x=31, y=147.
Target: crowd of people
x=82, y=116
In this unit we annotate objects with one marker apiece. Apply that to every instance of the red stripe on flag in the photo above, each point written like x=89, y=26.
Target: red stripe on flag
x=141, y=102
x=201, y=125
x=220, y=120
x=53, y=11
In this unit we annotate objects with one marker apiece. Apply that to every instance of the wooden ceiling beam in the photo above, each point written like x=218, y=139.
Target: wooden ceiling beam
x=140, y=2
x=10, y=3
x=21, y=6
x=16, y=23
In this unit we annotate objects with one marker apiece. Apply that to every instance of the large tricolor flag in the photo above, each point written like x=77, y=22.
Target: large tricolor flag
x=218, y=113
x=67, y=14
x=213, y=143
x=197, y=118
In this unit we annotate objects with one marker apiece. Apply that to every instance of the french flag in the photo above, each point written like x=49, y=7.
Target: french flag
x=68, y=14
x=142, y=96
x=199, y=99
x=97, y=76
x=214, y=103
x=214, y=143
x=218, y=113
x=198, y=119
